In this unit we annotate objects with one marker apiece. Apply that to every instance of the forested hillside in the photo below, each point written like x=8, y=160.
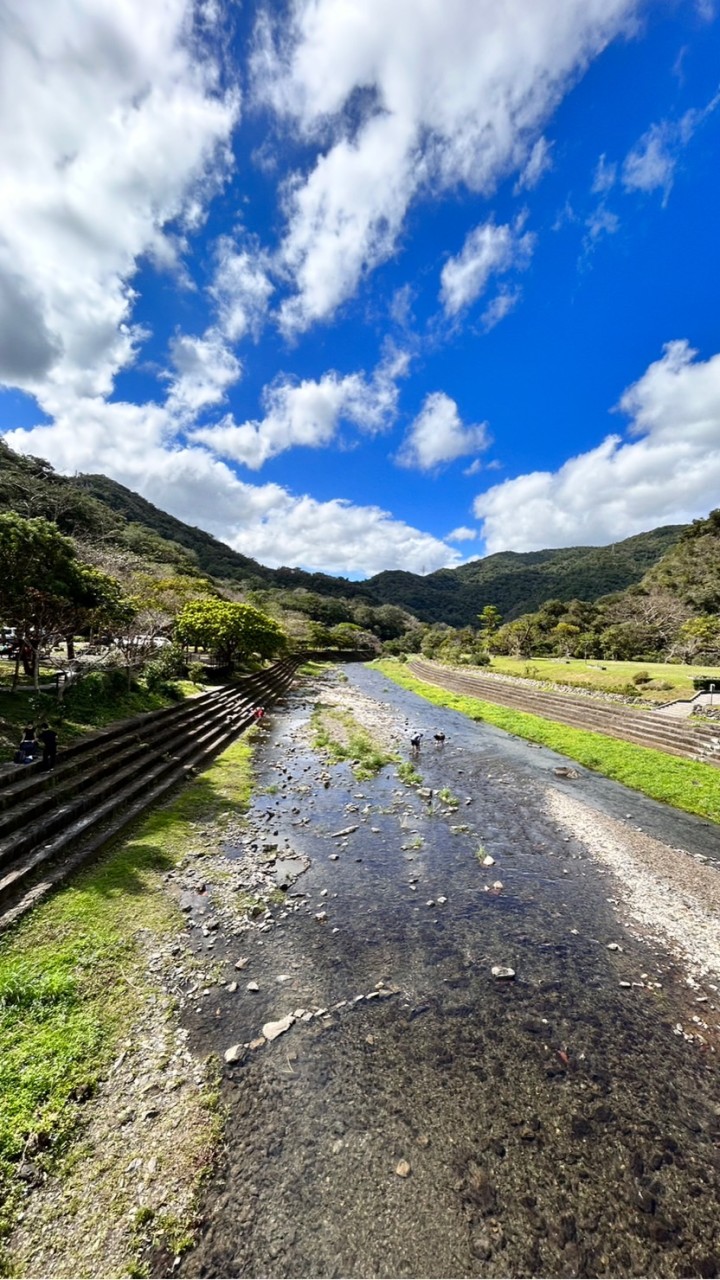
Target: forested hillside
x=519, y=582
x=93, y=506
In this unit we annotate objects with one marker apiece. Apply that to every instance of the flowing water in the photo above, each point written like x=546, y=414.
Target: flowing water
x=553, y=1124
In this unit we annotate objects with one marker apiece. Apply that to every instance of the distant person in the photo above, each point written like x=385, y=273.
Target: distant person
x=415, y=743
x=48, y=738
x=258, y=714
x=440, y=738
x=28, y=748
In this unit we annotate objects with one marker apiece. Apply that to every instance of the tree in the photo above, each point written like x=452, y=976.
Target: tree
x=45, y=591
x=233, y=632
x=490, y=620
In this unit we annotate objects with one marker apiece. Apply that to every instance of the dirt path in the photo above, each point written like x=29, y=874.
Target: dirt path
x=419, y=1116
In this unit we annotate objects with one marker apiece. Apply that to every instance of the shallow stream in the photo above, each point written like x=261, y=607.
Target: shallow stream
x=553, y=1124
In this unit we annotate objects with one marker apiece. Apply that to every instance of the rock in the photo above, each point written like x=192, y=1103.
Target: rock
x=481, y=1247
x=403, y=1169
x=422, y=1140
x=234, y=1053
x=257, y=1043
x=442, y=901
x=272, y=1030
x=346, y=831
x=498, y=884
x=252, y=986
x=500, y=971
x=488, y=861
x=424, y=792
x=430, y=902
x=241, y=963
x=321, y=916
x=284, y=977
x=334, y=857
x=232, y=987
x=614, y=946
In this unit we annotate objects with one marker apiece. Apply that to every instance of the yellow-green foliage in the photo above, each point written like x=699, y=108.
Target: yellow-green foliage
x=605, y=675
x=338, y=733
x=682, y=783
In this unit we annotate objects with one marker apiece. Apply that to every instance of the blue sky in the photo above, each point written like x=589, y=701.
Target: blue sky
x=367, y=284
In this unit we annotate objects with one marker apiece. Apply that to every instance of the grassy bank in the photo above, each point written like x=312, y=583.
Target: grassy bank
x=73, y=975
x=667, y=680
x=92, y=704
x=338, y=733
x=682, y=783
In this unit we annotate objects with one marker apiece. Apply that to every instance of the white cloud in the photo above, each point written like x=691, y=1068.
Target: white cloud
x=114, y=125
x=134, y=444
x=205, y=368
x=488, y=250
x=650, y=164
x=538, y=163
x=462, y=534
x=605, y=176
x=601, y=222
x=242, y=289
x=669, y=474
x=406, y=96
x=500, y=307
x=309, y=413
x=438, y=436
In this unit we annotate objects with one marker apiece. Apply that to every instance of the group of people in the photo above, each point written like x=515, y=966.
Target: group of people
x=417, y=738
x=32, y=745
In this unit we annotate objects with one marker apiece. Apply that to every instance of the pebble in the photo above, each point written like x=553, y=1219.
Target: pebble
x=232, y=987
x=442, y=901
x=241, y=963
x=252, y=986
x=614, y=946
x=272, y=1030
x=500, y=971
x=321, y=916
x=498, y=884
x=403, y=1169
x=234, y=1053
x=488, y=861
x=430, y=902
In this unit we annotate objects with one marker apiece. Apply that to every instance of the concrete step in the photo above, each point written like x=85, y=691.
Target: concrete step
x=139, y=761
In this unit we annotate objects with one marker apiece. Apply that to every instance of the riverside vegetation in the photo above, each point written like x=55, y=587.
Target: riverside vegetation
x=682, y=783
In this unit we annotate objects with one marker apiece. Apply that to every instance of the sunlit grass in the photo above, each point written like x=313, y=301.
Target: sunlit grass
x=683, y=783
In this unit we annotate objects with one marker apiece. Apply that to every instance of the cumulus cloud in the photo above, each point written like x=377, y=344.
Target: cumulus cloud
x=462, y=534
x=488, y=250
x=667, y=472
x=242, y=289
x=114, y=124
x=204, y=369
x=309, y=413
x=438, y=435
x=135, y=445
x=404, y=97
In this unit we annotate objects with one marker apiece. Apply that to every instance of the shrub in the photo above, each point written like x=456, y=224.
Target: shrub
x=197, y=673
x=641, y=677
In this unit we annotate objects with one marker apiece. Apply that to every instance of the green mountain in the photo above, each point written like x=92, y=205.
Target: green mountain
x=519, y=582
x=93, y=506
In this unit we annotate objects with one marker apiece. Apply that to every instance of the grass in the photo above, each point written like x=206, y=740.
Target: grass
x=87, y=706
x=448, y=798
x=608, y=677
x=338, y=733
x=408, y=774
x=681, y=783
x=73, y=977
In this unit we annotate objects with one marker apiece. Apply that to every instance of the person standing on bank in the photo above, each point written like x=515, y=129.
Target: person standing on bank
x=48, y=737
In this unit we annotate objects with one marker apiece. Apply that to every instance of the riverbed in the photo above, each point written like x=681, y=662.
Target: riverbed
x=422, y=1116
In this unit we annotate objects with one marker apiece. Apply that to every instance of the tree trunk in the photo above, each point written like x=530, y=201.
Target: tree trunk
x=70, y=645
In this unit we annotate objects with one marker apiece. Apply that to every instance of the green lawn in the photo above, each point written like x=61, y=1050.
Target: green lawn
x=681, y=783
x=73, y=975
x=611, y=677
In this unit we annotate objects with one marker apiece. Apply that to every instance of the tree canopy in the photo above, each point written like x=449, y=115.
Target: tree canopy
x=232, y=632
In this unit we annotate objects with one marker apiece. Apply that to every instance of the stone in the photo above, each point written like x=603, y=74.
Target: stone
x=502, y=972
x=334, y=857
x=422, y=1140
x=252, y=986
x=442, y=901
x=498, y=884
x=488, y=861
x=346, y=831
x=232, y=987
x=321, y=916
x=272, y=1030
x=234, y=1053
x=430, y=902
x=257, y=1043
x=614, y=946
x=403, y=1169
x=241, y=963
x=284, y=977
